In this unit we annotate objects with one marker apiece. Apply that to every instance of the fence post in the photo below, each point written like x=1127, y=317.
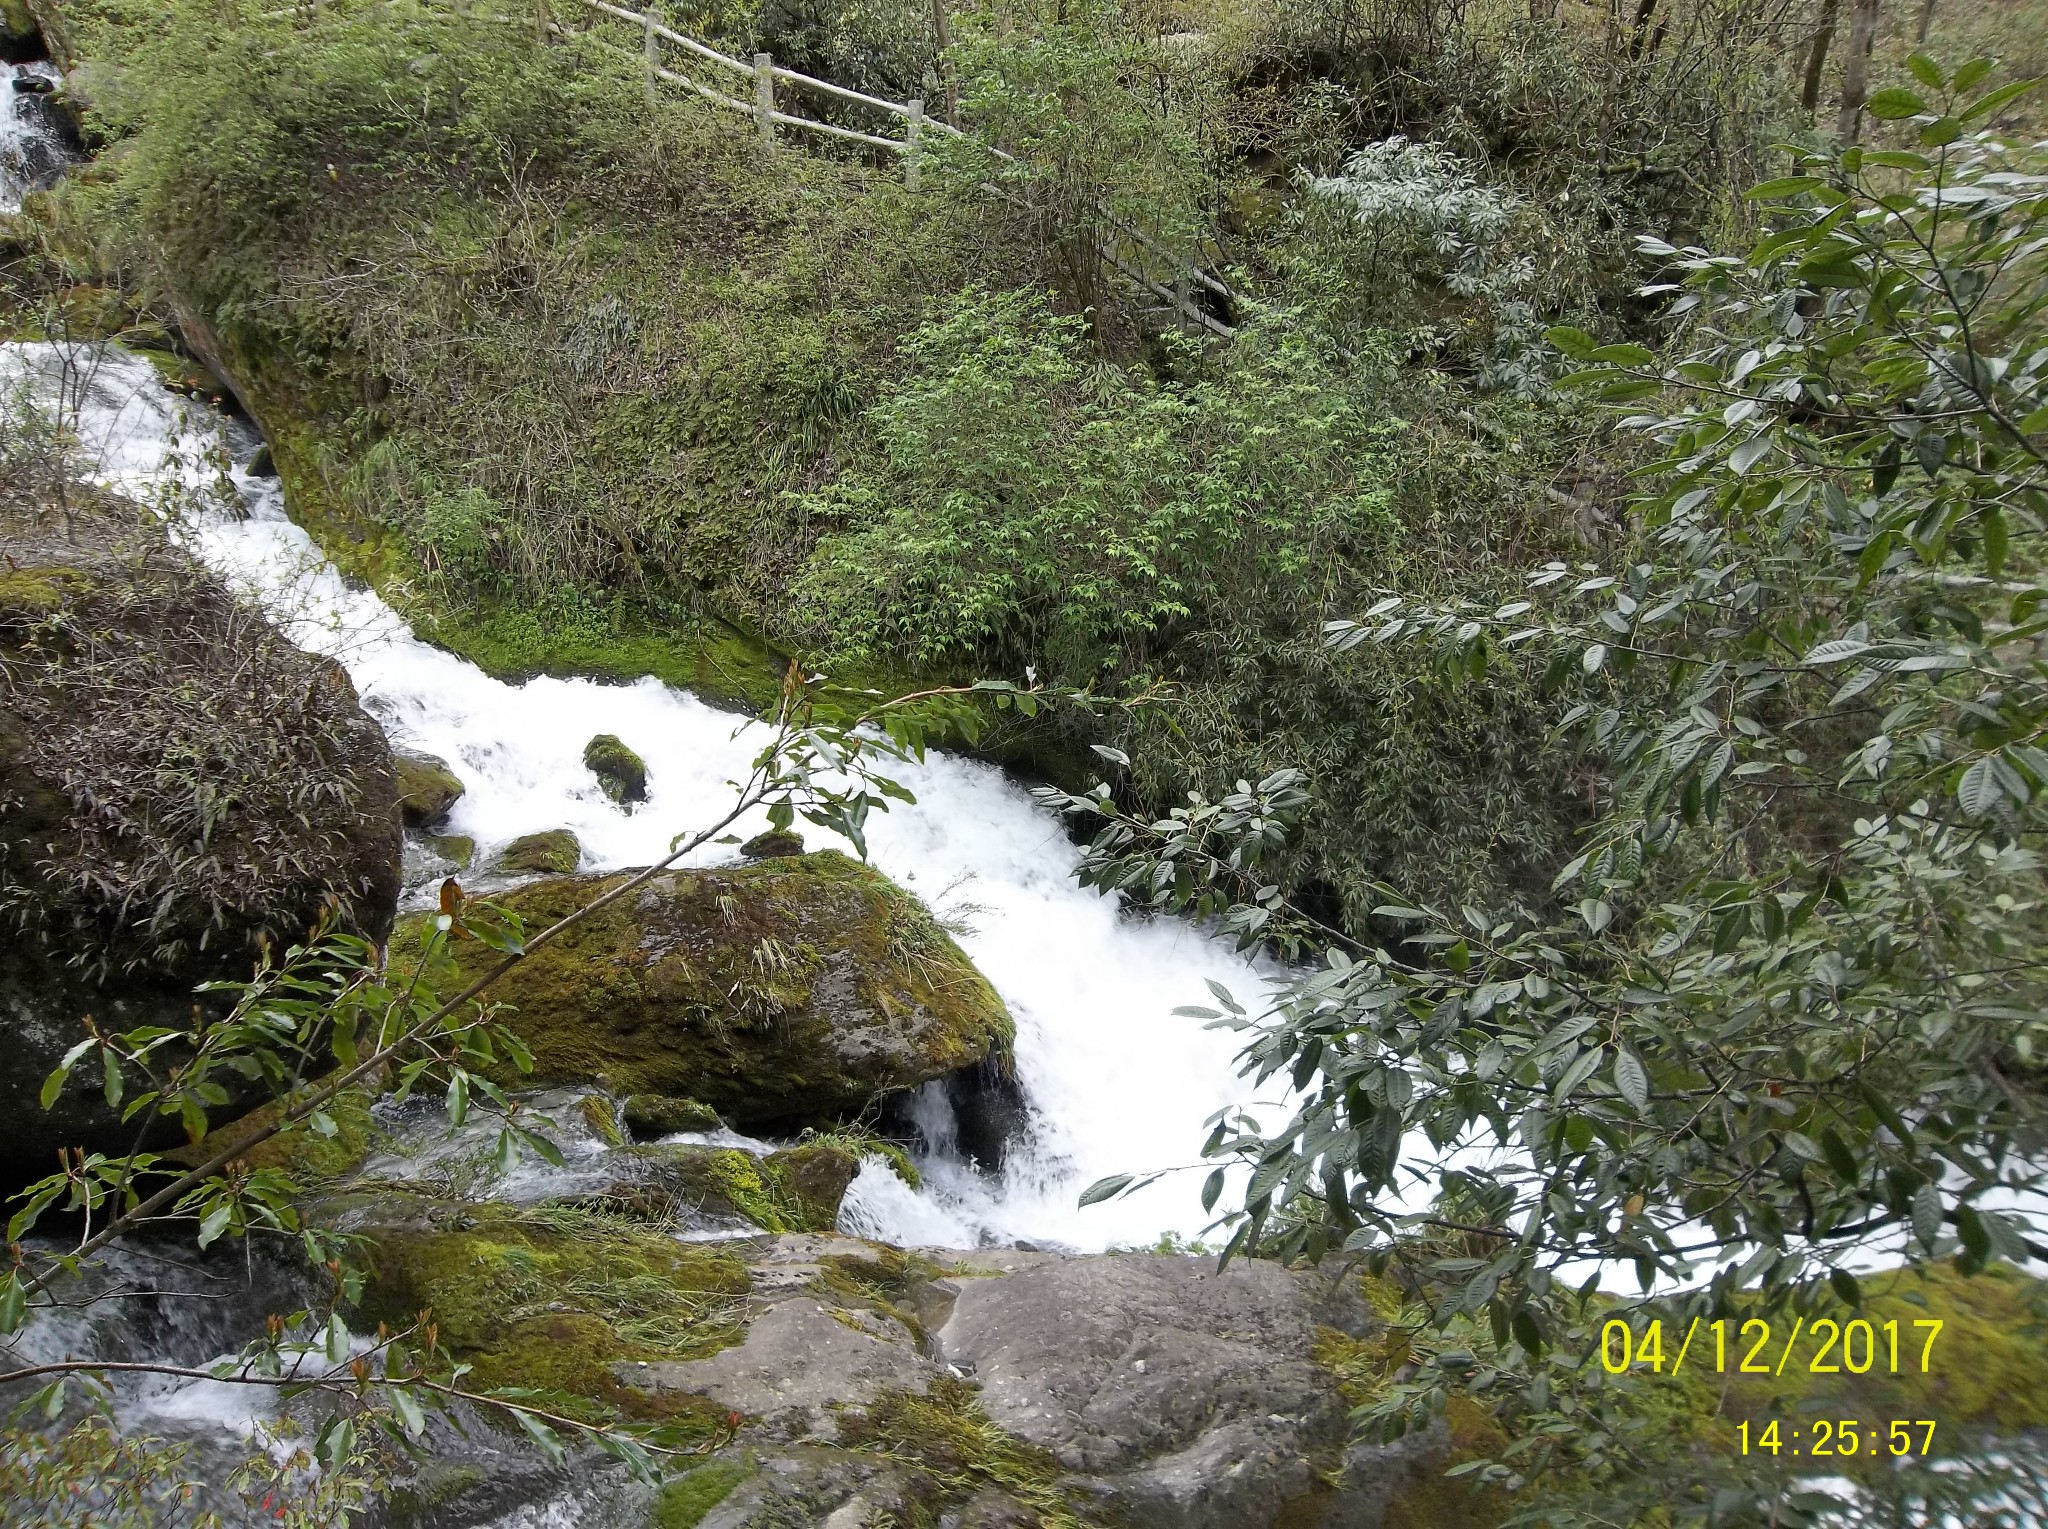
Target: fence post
x=650, y=47
x=913, y=136
x=764, y=99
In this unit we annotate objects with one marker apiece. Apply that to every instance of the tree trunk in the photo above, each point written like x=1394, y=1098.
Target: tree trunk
x=1926, y=21
x=1856, y=66
x=1644, y=11
x=1817, y=55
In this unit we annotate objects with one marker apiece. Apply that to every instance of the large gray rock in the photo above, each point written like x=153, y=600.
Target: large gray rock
x=1168, y=1394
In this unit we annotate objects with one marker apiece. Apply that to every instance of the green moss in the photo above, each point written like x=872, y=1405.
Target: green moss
x=552, y=1300
x=602, y=1118
x=458, y=849
x=945, y=1437
x=31, y=593
x=306, y=1156
x=621, y=772
x=427, y=788
x=813, y=1178
x=784, y=989
x=555, y=852
x=725, y=1179
x=659, y=1115
x=683, y=1502
x=1988, y=1368
x=513, y=642
x=773, y=844
x=861, y=1142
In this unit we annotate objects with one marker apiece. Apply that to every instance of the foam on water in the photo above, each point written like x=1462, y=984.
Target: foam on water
x=1112, y=1079
x=32, y=152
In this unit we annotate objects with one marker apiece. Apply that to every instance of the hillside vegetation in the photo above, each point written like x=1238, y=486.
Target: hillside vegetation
x=1579, y=591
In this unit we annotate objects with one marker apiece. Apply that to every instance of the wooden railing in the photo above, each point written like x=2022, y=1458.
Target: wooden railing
x=1127, y=256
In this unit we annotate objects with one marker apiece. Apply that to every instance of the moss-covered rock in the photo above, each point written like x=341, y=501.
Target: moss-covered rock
x=683, y=1501
x=312, y=1157
x=794, y=1191
x=621, y=772
x=555, y=852
x=457, y=849
x=649, y=1115
x=788, y=989
x=427, y=789
x=550, y=1300
x=773, y=844
x=179, y=784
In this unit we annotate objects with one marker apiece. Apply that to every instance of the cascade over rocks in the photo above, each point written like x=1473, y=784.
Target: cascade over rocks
x=178, y=785
x=787, y=989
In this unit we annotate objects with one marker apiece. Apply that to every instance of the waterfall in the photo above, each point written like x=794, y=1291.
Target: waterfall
x=1111, y=1079
x=35, y=144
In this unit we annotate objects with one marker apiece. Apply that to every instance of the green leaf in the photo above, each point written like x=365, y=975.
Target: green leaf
x=1212, y=1188
x=336, y=1339
x=1895, y=104
x=1846, y=1286
x=1988, y=103
x=1927, y=1215
x=111, y=1066
x=1972, y=74
x=13, y=1304
x=1979, y=790
x=550, y=1443
x=1632, y=1081
x=215, y=1221
x=1107, y=1189
x=53, y=1085
x=1625, y=355
x=1970, y=1227
x=1926, y=71
x=1839, y=1157
x=410, y=1415
x=1573, y=342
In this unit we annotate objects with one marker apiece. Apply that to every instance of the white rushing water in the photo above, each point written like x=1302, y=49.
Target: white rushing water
x=32, y=153
x=1113, y=1081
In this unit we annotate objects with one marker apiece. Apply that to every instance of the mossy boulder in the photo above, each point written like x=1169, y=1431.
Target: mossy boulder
x=791, y=989
x=648, y=1115
x=621, y=772
x=427, y=789
x=457, y=849
x=556, y=852
x=774, y=844
x=179, y=785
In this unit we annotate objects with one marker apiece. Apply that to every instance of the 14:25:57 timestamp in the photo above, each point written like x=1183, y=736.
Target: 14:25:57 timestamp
x=1840, y=1437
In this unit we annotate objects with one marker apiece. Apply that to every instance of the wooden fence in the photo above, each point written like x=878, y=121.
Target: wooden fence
x=1135, y=256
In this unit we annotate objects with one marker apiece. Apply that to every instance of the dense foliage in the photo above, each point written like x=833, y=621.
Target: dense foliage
x=1728, y=984
x=1794, y=1012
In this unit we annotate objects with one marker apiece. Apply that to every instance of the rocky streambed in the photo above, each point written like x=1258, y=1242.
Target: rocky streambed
x=877, y=1305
